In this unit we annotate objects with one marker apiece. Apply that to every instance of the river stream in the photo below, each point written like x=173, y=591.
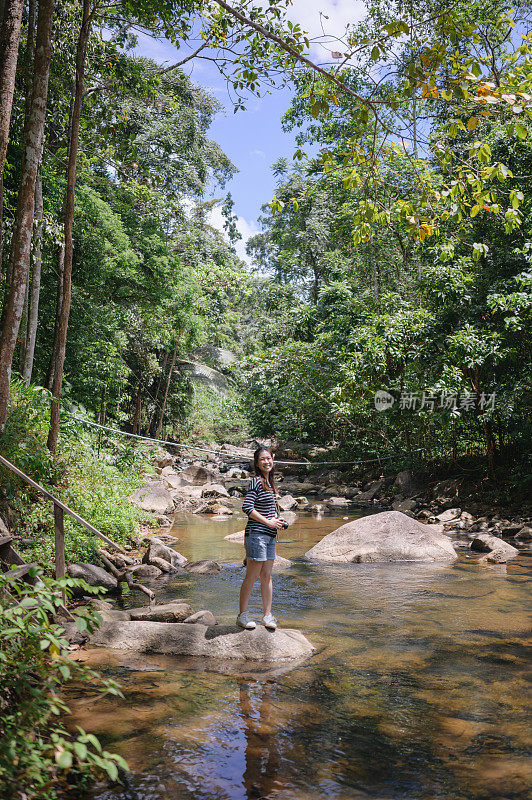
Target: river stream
x=418, y=688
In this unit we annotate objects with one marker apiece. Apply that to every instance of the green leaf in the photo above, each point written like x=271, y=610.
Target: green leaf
x=81, y=624
x=80, y=750
x=63, y=759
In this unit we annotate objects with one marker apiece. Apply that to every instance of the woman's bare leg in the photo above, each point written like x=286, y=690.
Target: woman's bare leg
x=253, y=569
x=266, y=588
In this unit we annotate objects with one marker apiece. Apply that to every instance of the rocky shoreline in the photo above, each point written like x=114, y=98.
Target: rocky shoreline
x=414, y=521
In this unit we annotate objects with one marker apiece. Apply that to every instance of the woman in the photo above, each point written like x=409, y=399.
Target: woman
x=259, y=538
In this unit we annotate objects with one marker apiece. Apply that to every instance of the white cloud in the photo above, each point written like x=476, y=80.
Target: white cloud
x=329, y=17
x=259, y=153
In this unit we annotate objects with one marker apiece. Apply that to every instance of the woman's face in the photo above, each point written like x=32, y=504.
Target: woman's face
x=265, y=462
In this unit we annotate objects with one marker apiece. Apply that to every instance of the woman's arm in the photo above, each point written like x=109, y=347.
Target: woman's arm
x=276, y=522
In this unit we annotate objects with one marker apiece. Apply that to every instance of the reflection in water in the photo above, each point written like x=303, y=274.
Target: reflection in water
x=418, y=689
x=262, y=755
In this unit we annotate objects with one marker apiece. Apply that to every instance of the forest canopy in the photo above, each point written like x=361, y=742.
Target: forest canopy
x=394, y=257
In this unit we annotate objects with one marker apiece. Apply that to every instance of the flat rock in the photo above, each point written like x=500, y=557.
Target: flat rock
x=214, y=490
x=154, y=497
x=388, y=536
x=235, y=537
x=176, y=611
x=338, y=502
x=449, y=515
x=494, y=557
x=203, y=617
x=93, y=575
x=217, y=509
x=203, y=567
x=220, y=641
x=281, y=564
x=485, y=543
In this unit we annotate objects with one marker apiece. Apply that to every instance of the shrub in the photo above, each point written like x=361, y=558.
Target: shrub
x=39, y=757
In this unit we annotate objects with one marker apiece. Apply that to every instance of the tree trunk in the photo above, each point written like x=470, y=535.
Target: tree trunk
x=151, y=431
x=49, y=381
x=81, y=53
x=160, y=425
x=23, y=228
x=9, y=41
x=374, y=271
x=30, y=55
x=136, y=414
x=33, y=310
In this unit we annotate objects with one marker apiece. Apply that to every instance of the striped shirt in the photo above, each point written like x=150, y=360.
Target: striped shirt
x=263, y=502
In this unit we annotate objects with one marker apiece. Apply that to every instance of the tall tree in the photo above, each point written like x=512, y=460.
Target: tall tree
x=35, y=288
x=68, y=221
x=10, y=20
x=22, y=233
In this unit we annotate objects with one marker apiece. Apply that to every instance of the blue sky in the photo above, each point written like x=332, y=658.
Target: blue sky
x=253, y=138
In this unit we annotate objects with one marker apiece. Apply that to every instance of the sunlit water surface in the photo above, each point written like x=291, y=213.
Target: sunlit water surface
x=418, y=688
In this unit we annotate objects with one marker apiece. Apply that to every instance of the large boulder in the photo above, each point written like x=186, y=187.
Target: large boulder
x=405, y=483
x=372, y=490
x=287, y=502
x=145, y=571
x=154, y=497
x=158, y=549
x=389, y=536
x=175, y=481
x=486, y=543
x=93, y=575
x=216, y=641
x=197, y=475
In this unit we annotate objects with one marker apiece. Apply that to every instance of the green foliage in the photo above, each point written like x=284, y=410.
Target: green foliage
x=94, y=482
x=40, y=758
x=24, y=438
x=215, y=417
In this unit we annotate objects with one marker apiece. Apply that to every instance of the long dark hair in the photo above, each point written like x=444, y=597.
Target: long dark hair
x=271, y=477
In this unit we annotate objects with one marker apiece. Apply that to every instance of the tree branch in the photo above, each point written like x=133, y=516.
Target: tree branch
x=299, y=57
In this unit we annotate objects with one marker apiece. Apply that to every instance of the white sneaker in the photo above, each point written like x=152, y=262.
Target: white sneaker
x=269, y=622
x=245, y=621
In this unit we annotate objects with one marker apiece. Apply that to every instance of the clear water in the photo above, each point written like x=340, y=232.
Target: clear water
x=418, y=688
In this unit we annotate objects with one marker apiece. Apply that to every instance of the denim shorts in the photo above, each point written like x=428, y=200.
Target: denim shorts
x=260, y=546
